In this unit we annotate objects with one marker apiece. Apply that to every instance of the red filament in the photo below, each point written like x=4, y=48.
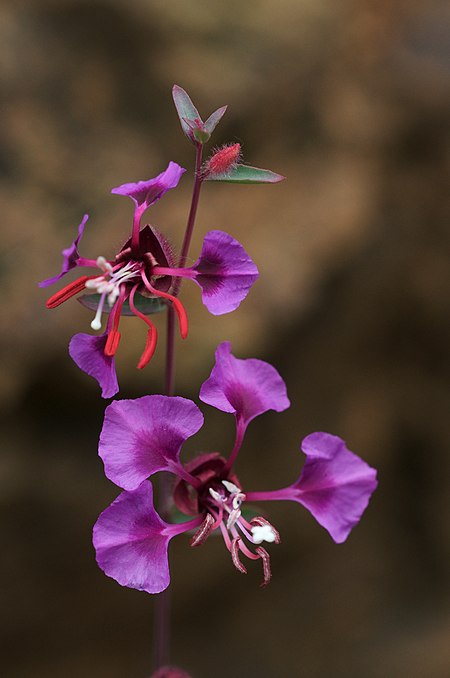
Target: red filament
x=112, y=342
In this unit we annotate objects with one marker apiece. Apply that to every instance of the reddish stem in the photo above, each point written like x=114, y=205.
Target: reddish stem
x=162, y=605
x=192, y=214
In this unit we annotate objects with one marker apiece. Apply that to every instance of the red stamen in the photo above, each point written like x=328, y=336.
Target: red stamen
x=150, y=347
x=112, y=343
x=68, y=291
x=179, y=308
x=113, y=339
x=266, y=565
x=205, y=530
x=152, y=334
x=235, y=545
x=124, y=255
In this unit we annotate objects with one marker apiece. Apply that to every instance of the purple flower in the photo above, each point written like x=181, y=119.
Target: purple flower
x=70, y=256
x=146, y=193
x=140, y=279
x=141, y=437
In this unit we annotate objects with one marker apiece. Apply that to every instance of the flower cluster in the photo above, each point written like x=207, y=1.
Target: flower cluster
x=143, y=436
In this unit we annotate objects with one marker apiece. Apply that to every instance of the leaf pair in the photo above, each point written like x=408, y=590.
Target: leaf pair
x=199, y=132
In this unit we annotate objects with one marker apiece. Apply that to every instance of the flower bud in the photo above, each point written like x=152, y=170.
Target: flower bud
x=223, y=160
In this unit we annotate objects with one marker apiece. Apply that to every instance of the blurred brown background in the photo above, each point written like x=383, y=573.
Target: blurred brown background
x=350, y=101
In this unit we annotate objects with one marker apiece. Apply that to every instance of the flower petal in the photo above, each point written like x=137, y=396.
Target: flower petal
x=143, y=436
x=88, y=352
x=335, y=485
x=225, y=272
x=70, y=256
x=131, y=542
x=245, y=387
x=146, y=193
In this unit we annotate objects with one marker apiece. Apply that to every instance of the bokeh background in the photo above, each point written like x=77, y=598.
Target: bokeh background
x=350, y=101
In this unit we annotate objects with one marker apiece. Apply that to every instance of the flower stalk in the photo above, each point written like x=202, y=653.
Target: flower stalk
x=144, y=437
x=162, y=624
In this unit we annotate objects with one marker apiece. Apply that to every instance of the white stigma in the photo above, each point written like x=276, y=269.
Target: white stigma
x=262, y=533
x=104, y=265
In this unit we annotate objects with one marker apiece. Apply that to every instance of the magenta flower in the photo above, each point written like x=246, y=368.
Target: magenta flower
x=70, y=256
x=143, y=436
x=140, y=278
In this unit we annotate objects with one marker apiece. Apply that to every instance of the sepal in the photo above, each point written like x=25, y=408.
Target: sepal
x=146, y=305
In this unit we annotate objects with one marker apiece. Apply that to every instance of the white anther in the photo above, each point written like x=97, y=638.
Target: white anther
x=216, y=495
x=231, y=487
x=104, y=265
x=105, y=287
x=93, y=283
x=262, y=533
x=233, y=518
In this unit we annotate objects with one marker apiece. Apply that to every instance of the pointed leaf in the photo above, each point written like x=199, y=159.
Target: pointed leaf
x=214, y=119
x=244, y=174
x=186, y=110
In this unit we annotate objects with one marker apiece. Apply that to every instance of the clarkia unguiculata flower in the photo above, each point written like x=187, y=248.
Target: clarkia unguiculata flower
x=143, y=436
x=139, y=280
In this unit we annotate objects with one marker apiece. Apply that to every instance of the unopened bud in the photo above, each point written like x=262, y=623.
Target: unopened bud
x=223, y=160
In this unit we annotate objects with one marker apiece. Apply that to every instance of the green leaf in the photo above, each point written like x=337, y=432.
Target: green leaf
x=214, y=119
x=146, y=305
x=244, y=174
x=186, y=111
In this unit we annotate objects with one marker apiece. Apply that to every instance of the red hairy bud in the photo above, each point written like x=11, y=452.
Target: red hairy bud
x=223, y=160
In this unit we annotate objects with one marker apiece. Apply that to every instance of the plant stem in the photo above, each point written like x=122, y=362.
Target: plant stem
x=162, y=602
x=192, y=214
x=169, y=386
